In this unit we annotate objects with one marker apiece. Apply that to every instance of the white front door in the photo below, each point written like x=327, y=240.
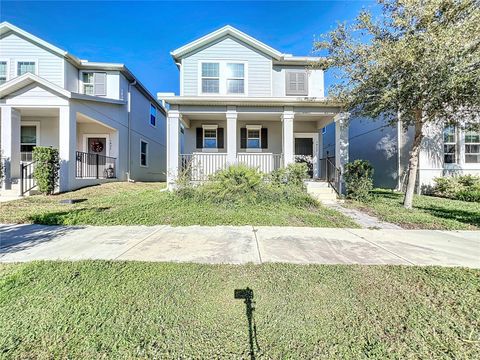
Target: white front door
x=306, y=150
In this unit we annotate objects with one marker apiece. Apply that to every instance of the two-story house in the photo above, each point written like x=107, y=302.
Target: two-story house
x=104, y=122
x=242, y=101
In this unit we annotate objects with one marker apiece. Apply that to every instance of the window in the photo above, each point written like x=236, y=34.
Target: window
x=143, y=153
x=209, y=138
x=24, y=67
x=449, y=145
x=28, y=140
x=94, y=83
x=253, y=139
x=296, y=82
x=472, y=145
x=153, y=115
x=210, y=78
x=3, y=72
x=235, y=78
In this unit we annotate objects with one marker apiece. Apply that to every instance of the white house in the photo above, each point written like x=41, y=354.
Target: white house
x=104, y=122
x=242, y=101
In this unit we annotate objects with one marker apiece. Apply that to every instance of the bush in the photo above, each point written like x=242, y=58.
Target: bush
x=461, y=187
x=358, y=180
x=46, y=168
x=293, y=174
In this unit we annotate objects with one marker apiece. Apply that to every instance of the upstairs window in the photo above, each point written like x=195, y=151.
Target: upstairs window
x=235, y=78
x=94, y=83
x=210, y=78
x=153, y=115
x=3, y=72
x=472, y=145
x=449, y=145
x=296, y=82
x=24, y=67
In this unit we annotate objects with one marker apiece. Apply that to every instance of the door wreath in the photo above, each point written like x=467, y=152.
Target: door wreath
x=96, y=146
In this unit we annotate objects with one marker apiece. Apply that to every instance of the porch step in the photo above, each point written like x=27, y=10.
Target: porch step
x=321, y=191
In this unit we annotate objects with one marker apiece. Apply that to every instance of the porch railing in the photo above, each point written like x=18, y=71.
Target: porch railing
x=199, y=166
x=94, y=166
x=266, y=163
x=330, y=173
x=27, y=180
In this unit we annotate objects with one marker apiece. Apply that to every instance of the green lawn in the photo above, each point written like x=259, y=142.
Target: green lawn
x=428, y=212
x=162, y=310
x=143, y=204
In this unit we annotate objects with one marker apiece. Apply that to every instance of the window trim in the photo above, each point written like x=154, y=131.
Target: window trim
x=19, y=60
x=155, y=116
x=234, y=78
x=254, y=128
x=222, y=68
x=210, y=77
x=7, y=75
x=454, y=143
x=147, y=162
x=465, y=143
x=209, y=127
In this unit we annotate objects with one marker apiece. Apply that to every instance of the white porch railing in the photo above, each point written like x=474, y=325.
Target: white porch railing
x=199, y=166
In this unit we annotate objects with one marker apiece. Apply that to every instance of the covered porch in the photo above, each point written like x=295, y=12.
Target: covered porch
x=205, y=138
x=88, y=148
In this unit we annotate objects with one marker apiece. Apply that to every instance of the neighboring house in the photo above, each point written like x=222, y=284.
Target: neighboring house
x=104, y=122
x=445, y=151
x=242, y=101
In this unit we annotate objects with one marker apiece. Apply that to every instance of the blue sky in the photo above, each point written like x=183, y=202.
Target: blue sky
x=142, y=34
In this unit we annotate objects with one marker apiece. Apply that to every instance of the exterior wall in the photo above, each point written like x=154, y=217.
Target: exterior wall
x=315, y=80
x=49, y=66
x=71, y=77
x=259, y=68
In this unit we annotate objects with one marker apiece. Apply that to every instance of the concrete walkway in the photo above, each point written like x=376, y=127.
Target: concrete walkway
x=240, y=244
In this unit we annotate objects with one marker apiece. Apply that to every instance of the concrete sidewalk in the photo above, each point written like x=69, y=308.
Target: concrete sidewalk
x=240, y=244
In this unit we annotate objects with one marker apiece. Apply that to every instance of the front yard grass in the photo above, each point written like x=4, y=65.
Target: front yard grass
x=428, y=212
x=143, y=204
x=99, y=309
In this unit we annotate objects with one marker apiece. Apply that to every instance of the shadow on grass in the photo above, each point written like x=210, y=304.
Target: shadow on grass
x=68, y=217
x=15, y=238
x=247, y=295
x=464, y=216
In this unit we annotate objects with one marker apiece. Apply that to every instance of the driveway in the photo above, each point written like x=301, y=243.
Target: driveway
x=240, y=244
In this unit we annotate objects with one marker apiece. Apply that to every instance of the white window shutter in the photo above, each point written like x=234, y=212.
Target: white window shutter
x=100, y=84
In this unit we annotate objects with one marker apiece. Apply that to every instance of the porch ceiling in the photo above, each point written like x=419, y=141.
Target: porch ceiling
x=38, y=112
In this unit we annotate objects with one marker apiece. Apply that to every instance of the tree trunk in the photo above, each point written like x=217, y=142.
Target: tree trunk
x=413, y=162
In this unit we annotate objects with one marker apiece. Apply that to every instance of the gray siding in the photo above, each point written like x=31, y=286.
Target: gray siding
x=50, y=66
x=259, y=65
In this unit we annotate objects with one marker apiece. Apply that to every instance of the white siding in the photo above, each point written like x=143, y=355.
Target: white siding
x=50, y=66
x=71, y=77
x=259, y=66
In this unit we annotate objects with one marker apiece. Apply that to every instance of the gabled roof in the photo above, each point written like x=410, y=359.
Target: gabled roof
x=224, y=31
x=6, y=27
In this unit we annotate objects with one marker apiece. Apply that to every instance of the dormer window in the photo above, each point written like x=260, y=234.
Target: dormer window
x=210, y=78
x=94, y=83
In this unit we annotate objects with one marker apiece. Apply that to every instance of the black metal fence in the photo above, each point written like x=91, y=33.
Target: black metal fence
x=94, y=166
x=27, y=180
x=330, y=173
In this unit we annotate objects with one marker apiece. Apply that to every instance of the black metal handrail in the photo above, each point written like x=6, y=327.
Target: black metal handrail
x=27, y=178
x=94, y=166
x=330, y=173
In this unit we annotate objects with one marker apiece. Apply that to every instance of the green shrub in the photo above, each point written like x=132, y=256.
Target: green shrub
x=358, y=180
x=293, y=174
x=461, y=187
x=46, y=168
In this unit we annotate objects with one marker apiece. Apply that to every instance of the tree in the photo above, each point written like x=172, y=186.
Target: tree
x=419, y=61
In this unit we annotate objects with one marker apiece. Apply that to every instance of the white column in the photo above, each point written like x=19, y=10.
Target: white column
x=287, y=136
x=231, y=134
x=341, y=143
x=10, y=145
x=67, y=130
x=173, y=146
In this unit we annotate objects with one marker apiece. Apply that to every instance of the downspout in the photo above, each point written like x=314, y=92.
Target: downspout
x=129, y=143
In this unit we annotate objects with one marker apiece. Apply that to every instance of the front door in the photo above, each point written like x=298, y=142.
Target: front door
x=97, y=145
x=304, y=152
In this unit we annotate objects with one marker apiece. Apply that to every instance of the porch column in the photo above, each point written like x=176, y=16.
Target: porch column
x=287, y=136
x=341, y=144
x=67, y=131
x=10, y=145
x=231, y=135
x=173, y=146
